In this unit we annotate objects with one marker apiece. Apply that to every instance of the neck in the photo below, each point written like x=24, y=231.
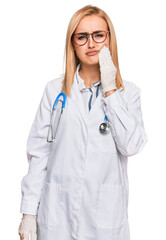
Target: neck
x=90, y=74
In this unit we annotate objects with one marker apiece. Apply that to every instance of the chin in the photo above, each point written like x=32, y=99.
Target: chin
x=93, y=61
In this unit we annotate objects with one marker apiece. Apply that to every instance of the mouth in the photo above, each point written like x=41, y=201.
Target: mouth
x=91, y=53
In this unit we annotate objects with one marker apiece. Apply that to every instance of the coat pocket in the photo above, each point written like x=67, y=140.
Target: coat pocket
x=110, y=206
x=49, y=207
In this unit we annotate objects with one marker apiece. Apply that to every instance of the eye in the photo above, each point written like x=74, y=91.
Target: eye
x=81, y=37
x=99, y=35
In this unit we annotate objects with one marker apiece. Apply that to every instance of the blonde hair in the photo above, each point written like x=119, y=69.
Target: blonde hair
x=71, y=58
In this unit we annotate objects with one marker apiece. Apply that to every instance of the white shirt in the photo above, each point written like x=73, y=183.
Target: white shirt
x=89, y=94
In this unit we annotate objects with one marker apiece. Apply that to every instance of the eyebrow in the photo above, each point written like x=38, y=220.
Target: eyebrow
x=88, y=33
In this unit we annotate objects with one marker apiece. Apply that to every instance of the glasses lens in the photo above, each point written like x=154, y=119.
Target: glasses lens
x=80, y=39
x=99, y=37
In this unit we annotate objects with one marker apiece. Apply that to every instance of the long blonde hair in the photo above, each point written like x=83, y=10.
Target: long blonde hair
x=70, y=56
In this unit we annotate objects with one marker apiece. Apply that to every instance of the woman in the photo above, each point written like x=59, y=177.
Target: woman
x=77, y=185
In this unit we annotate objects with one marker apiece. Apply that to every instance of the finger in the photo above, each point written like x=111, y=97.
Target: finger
x=101, y=53
x=102, y=57
x=33, y=236
x=109, y=59
x=102, y=49
x=108, y=56
x=26, y=236
x=19, y=228
x=108, y=52
x=20, y=235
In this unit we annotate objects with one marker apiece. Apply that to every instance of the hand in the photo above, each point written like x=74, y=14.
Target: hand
x=27, y=227
x=107, y=70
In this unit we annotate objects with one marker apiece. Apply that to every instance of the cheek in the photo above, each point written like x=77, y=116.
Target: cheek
x=106, y=43
x=80, y=52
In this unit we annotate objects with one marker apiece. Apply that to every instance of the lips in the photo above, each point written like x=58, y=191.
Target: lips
x=91, y=53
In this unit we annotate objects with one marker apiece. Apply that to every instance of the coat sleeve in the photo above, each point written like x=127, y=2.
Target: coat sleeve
x=38, y=150
x=126, y=121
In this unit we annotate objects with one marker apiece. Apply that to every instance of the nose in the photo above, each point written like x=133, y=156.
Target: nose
x=90, y=41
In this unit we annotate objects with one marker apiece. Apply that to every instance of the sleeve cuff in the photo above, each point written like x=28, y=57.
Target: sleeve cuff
x=114, y=100
x=29, y=207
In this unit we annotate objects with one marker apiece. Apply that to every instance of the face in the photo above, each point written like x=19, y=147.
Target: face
x=90, y=24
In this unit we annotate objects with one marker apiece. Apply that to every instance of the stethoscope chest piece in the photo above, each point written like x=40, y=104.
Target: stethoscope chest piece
x=104, y=127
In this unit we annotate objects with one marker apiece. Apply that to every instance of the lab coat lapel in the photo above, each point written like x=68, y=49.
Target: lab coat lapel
x=96, y=105
x=77, y=99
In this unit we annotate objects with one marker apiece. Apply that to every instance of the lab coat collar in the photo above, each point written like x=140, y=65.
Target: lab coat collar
x=80, y=81
x=76, y=97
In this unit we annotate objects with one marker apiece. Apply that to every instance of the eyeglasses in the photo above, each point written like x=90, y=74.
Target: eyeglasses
x=82, y=38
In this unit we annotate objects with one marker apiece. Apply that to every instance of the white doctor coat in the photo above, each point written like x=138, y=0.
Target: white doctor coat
x=78, y=185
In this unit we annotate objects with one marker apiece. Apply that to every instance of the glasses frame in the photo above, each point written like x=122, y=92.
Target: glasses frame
x=87, y=37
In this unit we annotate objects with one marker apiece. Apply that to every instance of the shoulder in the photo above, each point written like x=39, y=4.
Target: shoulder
x=53, y=88
x=55, y=84
x=130, y=87
x=130, y=90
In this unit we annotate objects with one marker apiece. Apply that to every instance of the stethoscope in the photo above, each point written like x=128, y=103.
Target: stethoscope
x=51, y=131
x=104, y=127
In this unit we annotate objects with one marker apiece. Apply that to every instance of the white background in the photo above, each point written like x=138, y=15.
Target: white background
x=32, y=42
